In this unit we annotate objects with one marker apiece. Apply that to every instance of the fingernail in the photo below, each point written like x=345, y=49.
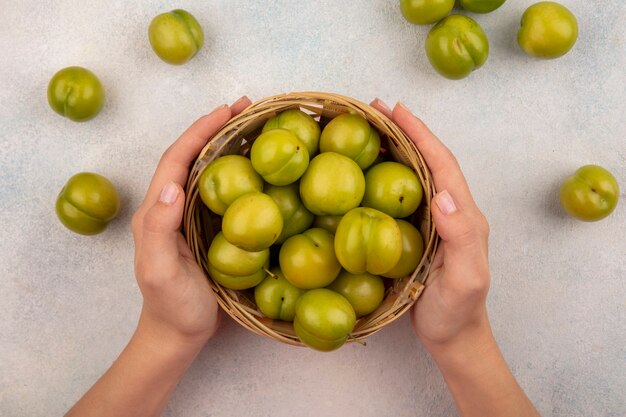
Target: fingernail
x=169, y=193
x=242, y=98
x=223, y=106
x=382, y=104
x=404, y=107
x=445, y=203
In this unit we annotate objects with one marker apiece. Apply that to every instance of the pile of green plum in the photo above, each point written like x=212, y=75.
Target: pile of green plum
x=457, y=45
x=314, y=220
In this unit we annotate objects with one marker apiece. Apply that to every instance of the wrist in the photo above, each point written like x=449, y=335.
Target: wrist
x=166, y=342
x=468, y=346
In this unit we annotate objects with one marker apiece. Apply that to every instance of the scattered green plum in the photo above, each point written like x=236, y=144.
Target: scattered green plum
x=87, y=203
x=456, y=46
x=591, y=194
x=548, y=30
x=175, y=36
x=425, y=12
x=76, y=93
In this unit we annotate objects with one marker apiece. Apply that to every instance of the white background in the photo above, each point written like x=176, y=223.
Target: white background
x=519, y=126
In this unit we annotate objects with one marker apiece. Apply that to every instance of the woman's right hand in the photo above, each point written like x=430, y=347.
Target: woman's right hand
x=450, y=317
x=453, y=302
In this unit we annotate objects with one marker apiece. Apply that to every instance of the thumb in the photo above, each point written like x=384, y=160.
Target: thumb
x=463, y=231
x=161, y=227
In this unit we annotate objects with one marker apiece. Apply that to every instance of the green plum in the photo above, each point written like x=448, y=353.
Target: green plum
x=351, y=135
x=324, y=319
x=276, y=297
x=296, y=218
x=300, y=124
x=365, y=292
x=481, y=6
x=591, y=194
x=87, y=203
x=225, y=179
x=76, y=93
x=392, y=188
x=329, y=222
x=412, y=251
x=308, y=260
x=252, y=222
x=456, y=46
x=425, y=12
x=333, y=184
x=175, y=36
x=368, y=240
x=238, y=282
x=548, y=30
x=233, y=267
x=279, y=157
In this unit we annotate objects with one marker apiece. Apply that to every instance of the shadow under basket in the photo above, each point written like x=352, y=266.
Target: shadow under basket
x=236, y=137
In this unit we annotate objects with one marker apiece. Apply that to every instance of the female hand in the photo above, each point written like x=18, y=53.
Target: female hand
x=450, y=317
x=178, y=302
x=453, y=302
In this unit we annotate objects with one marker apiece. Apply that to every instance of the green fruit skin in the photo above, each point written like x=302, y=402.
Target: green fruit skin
x=425, y=12
x=481, y=6
x=368, y=240
x=279, y=157
x=332, y=185
x=76, y=93
x=412, y=251
x=175, y=36
x=231, y=260
x=296, y=218
x=324, y=319
x=237, y=282
x=392, y=188
x=308, y=260
x=276, y=297
x=351, y=135
x=87, y=203
x=225, y=179
x=300, y=124
x=329, y=223
x=456, y=46
x=548, y=30
x=252, y=222
x=591, y=194
x=365, y=292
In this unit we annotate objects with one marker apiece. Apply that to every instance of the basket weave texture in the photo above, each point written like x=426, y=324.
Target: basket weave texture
x=236, y=137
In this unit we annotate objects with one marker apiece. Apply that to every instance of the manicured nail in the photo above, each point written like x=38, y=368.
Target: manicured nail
x=169, y=193
x=242, y=98
x=223, y=106
x=404, y=107
x=445, y=203
x=381, y=104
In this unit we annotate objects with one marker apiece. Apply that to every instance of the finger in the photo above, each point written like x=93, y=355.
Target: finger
x=159, y=252
x=175, y=162
x=443, y=165
x=465, y=239
x=240, y=105
x=380, y=105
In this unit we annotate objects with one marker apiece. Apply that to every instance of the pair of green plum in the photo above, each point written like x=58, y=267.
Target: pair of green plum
x=457, y=45
x=77, y=93
x=338, y=228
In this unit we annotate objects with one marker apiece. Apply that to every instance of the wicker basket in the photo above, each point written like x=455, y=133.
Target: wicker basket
x=236, y=137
